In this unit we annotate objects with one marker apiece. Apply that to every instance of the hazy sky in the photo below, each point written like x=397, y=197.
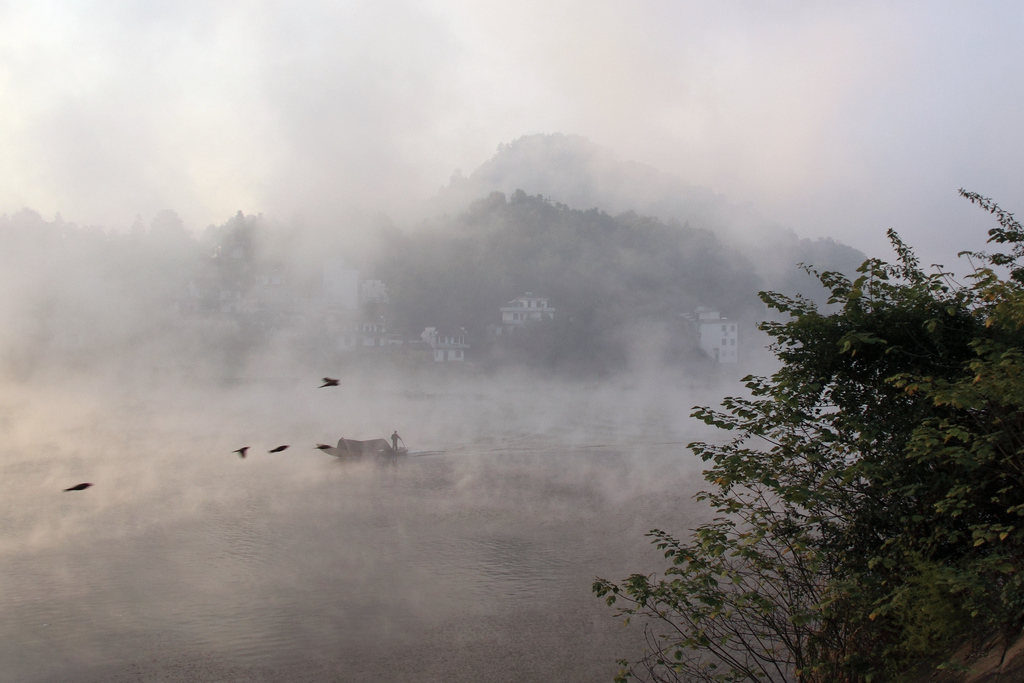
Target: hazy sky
x=837, y=119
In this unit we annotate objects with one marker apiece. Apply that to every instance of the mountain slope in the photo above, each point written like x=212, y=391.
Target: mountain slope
x=574, y=171
x=571, y=170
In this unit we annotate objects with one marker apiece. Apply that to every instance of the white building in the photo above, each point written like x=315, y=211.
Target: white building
x=449, y=346
x=341, y=285
x=365, y=334
x=373, y=291
x=523, y=309
x=718, y=336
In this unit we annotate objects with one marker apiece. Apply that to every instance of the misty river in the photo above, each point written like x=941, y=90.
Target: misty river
x=469, y=559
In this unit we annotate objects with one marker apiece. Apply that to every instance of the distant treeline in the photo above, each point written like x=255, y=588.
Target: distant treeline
x=82, y=297
x=620, y=284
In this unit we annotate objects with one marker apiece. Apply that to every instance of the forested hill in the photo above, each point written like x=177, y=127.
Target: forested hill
x=614, y=279
x=581, y=174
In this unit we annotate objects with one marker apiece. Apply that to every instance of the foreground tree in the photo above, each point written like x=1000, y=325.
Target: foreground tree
x=870, y=498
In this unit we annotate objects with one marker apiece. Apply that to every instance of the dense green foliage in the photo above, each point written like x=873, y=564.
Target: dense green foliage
x=869, y=501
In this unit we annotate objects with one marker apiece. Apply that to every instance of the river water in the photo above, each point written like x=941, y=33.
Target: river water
x=470, y=559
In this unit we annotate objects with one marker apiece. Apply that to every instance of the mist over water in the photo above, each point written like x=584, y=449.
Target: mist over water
x=233, y=174
x=140, y=362
x=470, y=558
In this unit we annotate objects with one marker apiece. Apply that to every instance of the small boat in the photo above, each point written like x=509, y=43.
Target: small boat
x=351, y=447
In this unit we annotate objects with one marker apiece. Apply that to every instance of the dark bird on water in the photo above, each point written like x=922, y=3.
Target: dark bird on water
x=241, y=451
x=79, y=487
x=329, y=382
x=277, y=450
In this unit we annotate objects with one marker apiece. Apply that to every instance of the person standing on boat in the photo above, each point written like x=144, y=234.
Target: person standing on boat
x=395, y=438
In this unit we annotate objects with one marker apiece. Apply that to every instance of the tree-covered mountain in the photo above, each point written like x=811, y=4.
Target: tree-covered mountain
x=572, y=170
x=617, y=281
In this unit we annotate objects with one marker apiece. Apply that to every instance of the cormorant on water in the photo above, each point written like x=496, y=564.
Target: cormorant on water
x=277, y=450
x=79, y=487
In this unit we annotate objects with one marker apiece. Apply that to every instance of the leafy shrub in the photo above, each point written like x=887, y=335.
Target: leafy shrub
x=870, y=494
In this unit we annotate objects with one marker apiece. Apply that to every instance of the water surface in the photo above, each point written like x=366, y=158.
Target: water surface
x=469, y=560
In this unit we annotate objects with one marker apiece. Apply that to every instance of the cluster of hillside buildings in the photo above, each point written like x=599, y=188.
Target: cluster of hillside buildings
x=351, y=310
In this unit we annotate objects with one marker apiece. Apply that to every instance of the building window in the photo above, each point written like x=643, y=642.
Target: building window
x=723, y=328
x=732, y=342
x=723, y=342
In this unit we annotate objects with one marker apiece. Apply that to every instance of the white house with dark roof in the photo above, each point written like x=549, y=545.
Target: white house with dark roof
x=361, y=333
x=447, y=346
x=373, y=291
x=523, y=309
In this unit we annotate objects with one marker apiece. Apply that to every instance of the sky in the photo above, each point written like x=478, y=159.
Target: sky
x=833, y=119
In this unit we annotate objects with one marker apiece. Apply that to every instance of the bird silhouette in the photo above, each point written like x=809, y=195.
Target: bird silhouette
x=277, y=450
x=241, y=451
x=329, y=382
x=79, y=487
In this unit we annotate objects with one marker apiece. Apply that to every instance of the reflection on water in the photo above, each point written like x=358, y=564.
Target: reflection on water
x=471, y=561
